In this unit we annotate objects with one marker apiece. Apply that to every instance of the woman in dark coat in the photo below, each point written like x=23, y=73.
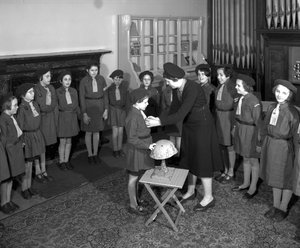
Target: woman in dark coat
x=199, y=148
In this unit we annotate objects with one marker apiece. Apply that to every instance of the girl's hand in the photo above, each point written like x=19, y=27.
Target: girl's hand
x=258, y=149
x=151, y=147
x=86, y=119
x=152, y=121
x=105, y=114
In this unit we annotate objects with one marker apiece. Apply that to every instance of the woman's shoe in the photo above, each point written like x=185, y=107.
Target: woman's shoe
x=32, y=192
x=40, y=179
x=47, y=177
x=238, y=188
x=138, y=210
x=90, y=159
x=116, y=154
x=6, y=209
x=191, y=197
x=270, y=213
x=69, y=165
x=122, y=154
x=250, y=196
x=13, y=206
x=2, y=227
x=220, y=177
x=96, y=159
x=227, y=179
x=201, y=208
x=25, y=194
x=280, y=215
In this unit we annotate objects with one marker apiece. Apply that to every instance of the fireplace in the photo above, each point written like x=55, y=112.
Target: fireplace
x=18, y=69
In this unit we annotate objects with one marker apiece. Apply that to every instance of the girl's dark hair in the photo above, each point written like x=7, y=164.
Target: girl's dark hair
x=142, y=99
x=290, y=97
x=228, y=71
x=247, y=87
x=6, y=105
x=206, y=70
x=91, y=64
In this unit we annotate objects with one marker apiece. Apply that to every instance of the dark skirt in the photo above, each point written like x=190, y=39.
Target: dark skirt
x=116, y=116
x=4, y=169
x=95, y=110
x=34, y=144
x=67, y=124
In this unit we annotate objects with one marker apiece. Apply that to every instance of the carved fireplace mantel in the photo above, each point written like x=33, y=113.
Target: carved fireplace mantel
x=18, y=69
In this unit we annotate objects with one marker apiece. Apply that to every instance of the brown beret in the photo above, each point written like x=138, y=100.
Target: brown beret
x=173, y=71
x=62, y=74
x=286, y=84
x=138, y=94
x=142, y=74
x=23, y=88
x=117, y=73
x=246, y=79
x=41, y=72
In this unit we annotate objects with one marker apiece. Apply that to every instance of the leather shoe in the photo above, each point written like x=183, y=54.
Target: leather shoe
x=25, y=194
x=250, y=196
x=69, y=165
x=280, y=215
x=90, y=159
x=190, y=198
x=270, y=213
x=138, y=210
x=2, y=227
x=201, y=208
x=6, y=209
x=238, y=188
x=13, y=206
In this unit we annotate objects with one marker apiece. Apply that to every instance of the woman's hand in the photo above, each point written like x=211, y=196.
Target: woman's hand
x=152, y=121
x=151, y=147
x=86, y=119
x=105, y=114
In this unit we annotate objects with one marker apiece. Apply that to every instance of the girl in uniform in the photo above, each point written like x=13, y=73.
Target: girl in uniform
x=224, y=102
x=139, y=142
x=29, y=118
x=245, y=134
x=117, y=99
x=278, y=135
x=94, y=105
x=68, y=115
x=45, y=97
x=11, y=139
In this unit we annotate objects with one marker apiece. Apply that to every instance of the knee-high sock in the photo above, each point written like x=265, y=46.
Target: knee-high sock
x=88, y=143
x=95, y=143
x=132, y=181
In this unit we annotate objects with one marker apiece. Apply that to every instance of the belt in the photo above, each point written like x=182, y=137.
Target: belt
x=244, y=122
x=93, y=98
x=224, y=110
x=68, y=111
x=272, y=136
x=145, y=137
x=30, y=131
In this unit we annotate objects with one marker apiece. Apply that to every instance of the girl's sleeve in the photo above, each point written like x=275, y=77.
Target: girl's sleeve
x=133, y=136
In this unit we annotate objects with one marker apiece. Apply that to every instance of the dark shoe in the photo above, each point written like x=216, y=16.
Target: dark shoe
x=104, y=141
x=69, y=165
x=47, y=177
x=62, y=166
x=13, y=206
x=139, y=210
x=90, y=159
x=248, y=196
x=96, y=159
x=116, y=154
x=190, y=198
x=227, y=179
x=6, y=209
x=220, y=177
x=25, y=194
x=40, y=179
x=280, y=215
x=2, y=227
x=32, y=192
x=270, y=213
x=122, y=154
x=201, y=208
x=238, y=188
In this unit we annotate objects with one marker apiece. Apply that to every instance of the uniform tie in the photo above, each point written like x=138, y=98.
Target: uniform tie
x=19, y=131
x=220, y=92
x=34, y=112
x=95, y=86
x=179, y=94
x=68, y=96
x=48, y=96
x=143, y=114
x=118, y=95
x=274, y=116
x=239, y=107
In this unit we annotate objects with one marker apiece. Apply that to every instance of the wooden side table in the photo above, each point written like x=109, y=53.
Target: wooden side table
x=174, y=181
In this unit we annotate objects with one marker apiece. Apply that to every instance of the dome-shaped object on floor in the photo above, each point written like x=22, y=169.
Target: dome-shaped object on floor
x=164, y=149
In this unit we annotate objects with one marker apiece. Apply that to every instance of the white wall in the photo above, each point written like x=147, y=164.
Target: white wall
x=45, y=26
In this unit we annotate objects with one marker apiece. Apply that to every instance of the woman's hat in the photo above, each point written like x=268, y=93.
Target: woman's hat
x=117, y=73
x=138, y=94
x=142, y=74
x=23, y=88
x=246, y=79
x=40, y=72
x=62, y=74
x=286, y=84
x=173, y=71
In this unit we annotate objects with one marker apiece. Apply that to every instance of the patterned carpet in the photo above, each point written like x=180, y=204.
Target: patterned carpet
x=95, y=215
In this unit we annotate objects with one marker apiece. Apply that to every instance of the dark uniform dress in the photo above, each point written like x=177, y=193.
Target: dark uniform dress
x=225, y=113
x=278, y=147
x=48, y=113
x=296, y=172
x=30, y=125
x=117, y=109
x=93, y=103
x=138, y=142
x=209, y=91
x=4, y=168
x=247, y=124
x=68, y=114
x=153, y=102
x=199, y=146
x=13, y=146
